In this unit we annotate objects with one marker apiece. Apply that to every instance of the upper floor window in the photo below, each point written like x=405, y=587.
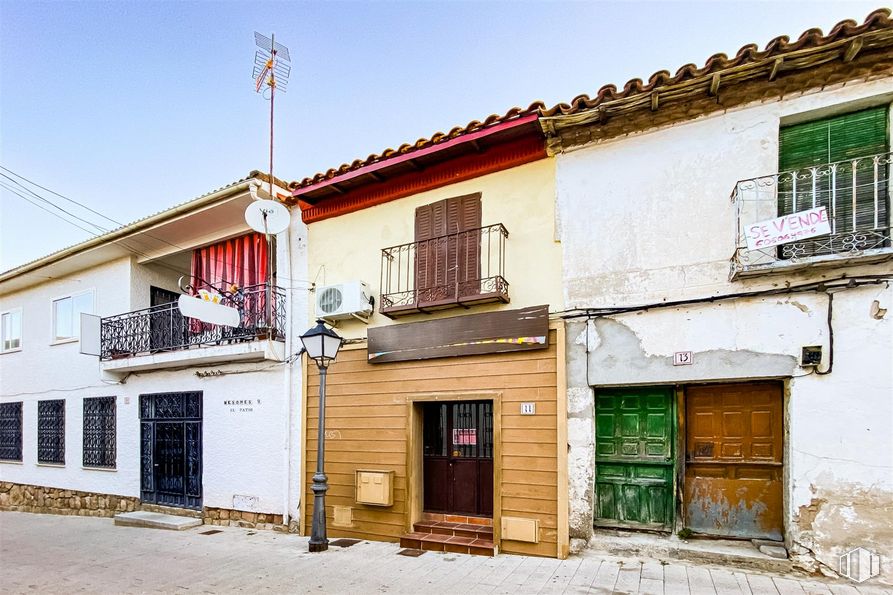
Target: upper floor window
x=99, y=432
x=67, y=314
x=453, y=261
x=11, y=431
x=839, y=163
x=51, y=431
x=447, y=234
x=11, y=330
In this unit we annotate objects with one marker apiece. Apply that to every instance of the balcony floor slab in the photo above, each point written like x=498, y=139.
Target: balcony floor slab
x=259, y=350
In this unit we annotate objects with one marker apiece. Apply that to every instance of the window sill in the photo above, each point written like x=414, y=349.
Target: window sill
x=64, y=341
x=56, y=465
x=106, y=469
x=11, y=462
x=740, y=271
x=16, y=350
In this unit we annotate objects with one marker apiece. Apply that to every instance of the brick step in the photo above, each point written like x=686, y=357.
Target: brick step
x=454, y=529
x=438, y=542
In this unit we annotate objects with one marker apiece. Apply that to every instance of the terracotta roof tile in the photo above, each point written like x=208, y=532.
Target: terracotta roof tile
x=812, y=38
x=436, y=138
x=879, y=19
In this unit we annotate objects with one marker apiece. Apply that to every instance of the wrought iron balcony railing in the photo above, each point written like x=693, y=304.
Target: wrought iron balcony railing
x=163, y=328
x=457, y=269
x=854, y=192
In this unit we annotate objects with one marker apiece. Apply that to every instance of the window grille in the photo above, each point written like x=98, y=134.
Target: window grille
x=51, y=431
x=99, y=432
x=11, y=431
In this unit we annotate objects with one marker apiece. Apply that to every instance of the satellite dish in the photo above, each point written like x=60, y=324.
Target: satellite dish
x=267, y=216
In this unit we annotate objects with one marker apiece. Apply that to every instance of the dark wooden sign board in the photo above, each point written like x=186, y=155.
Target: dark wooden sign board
x=472, y=334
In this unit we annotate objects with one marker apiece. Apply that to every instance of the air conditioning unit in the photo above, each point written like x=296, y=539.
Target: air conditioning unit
x=346, y=300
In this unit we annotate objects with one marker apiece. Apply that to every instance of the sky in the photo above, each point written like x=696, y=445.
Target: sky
x=131, y=107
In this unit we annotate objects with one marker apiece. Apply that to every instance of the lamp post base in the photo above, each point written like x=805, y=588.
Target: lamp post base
x=319, y=541
x=319, y=547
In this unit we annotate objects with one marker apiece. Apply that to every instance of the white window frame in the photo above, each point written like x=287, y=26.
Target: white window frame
x=21, y=329
x=75, y=322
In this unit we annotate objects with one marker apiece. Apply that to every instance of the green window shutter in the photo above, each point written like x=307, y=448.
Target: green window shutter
x=833, y=139
x=803, y=145
x=858, y=134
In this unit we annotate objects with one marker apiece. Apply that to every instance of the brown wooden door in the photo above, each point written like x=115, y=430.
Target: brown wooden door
x=733, y=460
x=458, y=458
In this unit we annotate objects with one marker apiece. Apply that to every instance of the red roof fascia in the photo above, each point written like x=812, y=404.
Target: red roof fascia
x=504, y=156
x=465, y=138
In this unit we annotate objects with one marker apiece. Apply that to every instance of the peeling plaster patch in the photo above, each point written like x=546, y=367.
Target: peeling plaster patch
x=842, y=517
x=621, y=360
x=579, y=401
x=581, y=476
x=807, y=513
x=802, y=307
x=580, y=431
x=590, y=333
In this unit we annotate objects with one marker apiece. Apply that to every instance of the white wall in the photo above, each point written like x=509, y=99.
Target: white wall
x=245, y=453
x=647, y=219
x=649, y=216
x=44, y=370
x=42, y=365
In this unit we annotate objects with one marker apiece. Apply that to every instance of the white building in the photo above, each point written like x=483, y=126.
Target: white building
x=715, y=386
x=172, y=411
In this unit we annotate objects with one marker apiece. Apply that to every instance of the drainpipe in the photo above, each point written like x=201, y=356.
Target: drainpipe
x=289, y=324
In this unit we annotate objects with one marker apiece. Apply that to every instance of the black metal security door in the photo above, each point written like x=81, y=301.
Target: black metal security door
x=166, y=324
x=458, y=458
x=171, y=439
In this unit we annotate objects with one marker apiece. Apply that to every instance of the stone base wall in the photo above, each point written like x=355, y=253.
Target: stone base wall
x=248, y=520
x=45, y=500
x=29, y=498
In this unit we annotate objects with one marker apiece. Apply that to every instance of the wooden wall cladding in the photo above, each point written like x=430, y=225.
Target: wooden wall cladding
x=472, y=334
x=367, y=419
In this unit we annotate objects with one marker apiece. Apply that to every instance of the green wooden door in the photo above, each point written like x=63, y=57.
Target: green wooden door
x=634, y=429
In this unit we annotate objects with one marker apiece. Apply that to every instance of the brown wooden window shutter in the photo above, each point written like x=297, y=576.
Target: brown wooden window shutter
x=448, y=249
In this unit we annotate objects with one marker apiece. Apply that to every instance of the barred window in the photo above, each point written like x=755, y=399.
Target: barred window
x=11, y=431
x=51, y=431
x=99, y=432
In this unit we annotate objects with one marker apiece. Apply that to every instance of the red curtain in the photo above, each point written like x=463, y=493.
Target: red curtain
x=241, y=261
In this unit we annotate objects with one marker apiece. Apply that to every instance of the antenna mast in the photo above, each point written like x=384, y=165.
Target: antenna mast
x=270, y=72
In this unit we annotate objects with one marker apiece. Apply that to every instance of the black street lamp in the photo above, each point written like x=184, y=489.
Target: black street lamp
x=322, y=345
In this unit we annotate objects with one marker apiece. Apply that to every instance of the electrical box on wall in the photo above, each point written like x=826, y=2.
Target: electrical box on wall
x=811, y=355
x=375, y=488
x=521, y=529
x=342, y=516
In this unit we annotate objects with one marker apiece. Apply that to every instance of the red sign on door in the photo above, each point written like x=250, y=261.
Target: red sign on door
x=465, y=437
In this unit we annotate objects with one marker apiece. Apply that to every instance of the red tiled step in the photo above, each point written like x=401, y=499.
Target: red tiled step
x=440, y=542
x=455, y=529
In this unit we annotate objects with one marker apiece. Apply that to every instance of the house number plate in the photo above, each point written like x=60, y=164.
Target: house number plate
x=683, y=358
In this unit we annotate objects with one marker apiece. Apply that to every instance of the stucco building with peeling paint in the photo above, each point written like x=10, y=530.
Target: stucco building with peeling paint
x=723, y=380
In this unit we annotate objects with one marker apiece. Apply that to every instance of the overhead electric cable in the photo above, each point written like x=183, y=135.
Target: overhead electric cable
x=37, y=196
x=121, y=242
x=71, y=200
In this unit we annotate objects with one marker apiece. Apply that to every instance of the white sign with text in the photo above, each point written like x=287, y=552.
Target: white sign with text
x=789, y=228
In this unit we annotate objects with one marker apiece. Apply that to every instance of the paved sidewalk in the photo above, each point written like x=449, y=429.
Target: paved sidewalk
x=61, y=554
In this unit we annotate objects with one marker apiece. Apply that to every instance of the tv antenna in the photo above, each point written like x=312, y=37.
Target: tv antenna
x=271, y=70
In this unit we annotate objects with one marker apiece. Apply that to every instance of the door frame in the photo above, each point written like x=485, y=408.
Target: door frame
x=415, y=452
x=682, y=399
x=150, y=423
x=673, y=392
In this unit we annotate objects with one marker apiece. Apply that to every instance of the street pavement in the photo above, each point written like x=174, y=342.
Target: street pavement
x=66, y=554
